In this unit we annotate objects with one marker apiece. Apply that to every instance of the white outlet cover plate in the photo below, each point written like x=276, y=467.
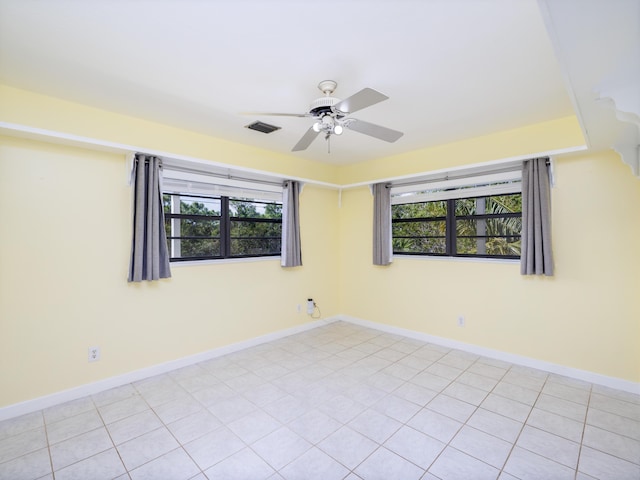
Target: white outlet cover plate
x=94, y=354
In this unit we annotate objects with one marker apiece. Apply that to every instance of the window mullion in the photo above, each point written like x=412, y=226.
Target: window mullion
x=481, y=226
x=176, y=245
x=225, y=228
x=451, y=227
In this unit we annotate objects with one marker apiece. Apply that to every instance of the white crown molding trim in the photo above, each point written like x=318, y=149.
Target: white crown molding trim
x=630, y=154
x=552, y=31
x=624, y=95
x=40, y=403
x=627, y=143
x=479, y=167
x=61, y=138
x=591, y=377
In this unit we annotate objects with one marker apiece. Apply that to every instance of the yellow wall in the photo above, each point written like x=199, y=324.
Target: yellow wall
x=542, y=137
x=587, y=316
x=26, y=108
x=64, y=250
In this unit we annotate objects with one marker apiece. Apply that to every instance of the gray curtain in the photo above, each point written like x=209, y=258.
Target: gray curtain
x=149, y=252
x=536, y=256
x=382, y=247
x=291, y=255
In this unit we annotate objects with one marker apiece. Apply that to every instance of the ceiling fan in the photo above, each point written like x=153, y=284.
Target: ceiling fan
x=332, y=116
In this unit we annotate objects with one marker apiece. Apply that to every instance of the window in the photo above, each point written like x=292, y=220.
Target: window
x=203, y=227
x=483, y=226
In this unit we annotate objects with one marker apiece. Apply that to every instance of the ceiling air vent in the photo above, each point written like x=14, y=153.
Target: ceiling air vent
x=262, y=127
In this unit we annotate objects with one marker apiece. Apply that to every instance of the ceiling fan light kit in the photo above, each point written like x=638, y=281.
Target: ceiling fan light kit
x=332, y=116
x=329, y=125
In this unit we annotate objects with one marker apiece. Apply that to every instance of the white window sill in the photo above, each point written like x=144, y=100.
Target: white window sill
x=512, y=261
x=197, y=263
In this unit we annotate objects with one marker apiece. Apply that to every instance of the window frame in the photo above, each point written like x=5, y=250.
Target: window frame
x=451, y=234
x=225, y=219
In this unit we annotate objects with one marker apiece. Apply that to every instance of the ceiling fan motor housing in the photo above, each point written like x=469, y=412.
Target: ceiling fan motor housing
x=323, y=105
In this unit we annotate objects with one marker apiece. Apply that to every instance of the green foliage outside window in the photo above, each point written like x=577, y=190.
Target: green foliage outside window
x=426, y=230
x=484, y=226
x=196, y=228
x=251, y=237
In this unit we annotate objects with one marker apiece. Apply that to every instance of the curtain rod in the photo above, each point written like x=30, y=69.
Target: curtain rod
x=447, y=176
x=225, y=176
x=440, y=178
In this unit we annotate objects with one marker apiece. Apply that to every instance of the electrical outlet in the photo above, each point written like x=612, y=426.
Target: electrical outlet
x=461, y=320
x=94, y=354
x=311, y=306
x=299, y=308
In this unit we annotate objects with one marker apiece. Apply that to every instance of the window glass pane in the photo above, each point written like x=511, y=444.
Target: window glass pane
x=503, y=246
x=468, y=227
x=191, y=205
x=199, y=248
x=505, y=203
x=195, y=226
x=504, y=226
x=255, y=238
x=469, y=246
x=436, y=228
x=419, y=210
x=489, y=205
x=465, y=206
x=199, y=206
x=490, y=246
x=190, y=227
x=252, y=209
x=492, y=236
x=484, y=226
x=255, y=246
x=499, y=226
x=255, y=229
x=420, y=245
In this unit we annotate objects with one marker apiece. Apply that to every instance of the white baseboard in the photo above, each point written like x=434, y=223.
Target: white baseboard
x=591, y=377
x=53, y=399
x=57, y=398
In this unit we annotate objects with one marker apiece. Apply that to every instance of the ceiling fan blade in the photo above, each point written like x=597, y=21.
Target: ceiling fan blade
x=364, y=98
x=306, y=140
x=373, y=130
x=270, y=114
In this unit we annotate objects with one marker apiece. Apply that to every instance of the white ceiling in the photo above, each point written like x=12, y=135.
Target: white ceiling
x=453, y=69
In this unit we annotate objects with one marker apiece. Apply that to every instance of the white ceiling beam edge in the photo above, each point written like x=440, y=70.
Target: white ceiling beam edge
x=23, y=131
x=602, y=86
x=470, y=169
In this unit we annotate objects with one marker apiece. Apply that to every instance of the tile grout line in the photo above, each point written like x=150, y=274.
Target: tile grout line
x=525, y=424
x=363, y=381
x=465, y=422
x=584, y=428
x=315, y=445
x=104, y=424
x=387, y=393
x=441, y=392
x=46, y=436
x=180, y=445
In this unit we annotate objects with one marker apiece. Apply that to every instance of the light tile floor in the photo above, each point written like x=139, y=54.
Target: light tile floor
x=337, y=402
